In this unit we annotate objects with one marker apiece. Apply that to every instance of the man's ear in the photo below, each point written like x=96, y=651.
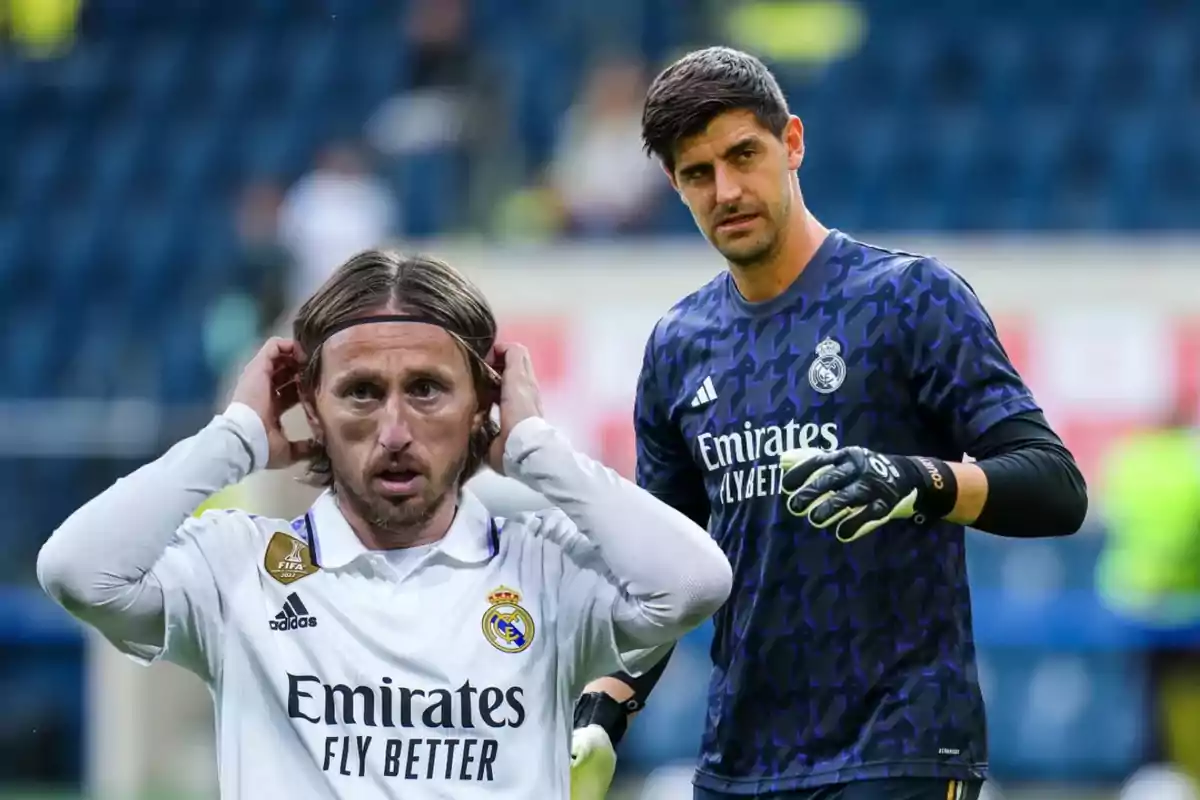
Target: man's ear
x=487, y=392
x=489, y=398
x=793, y=140
x=308, y=400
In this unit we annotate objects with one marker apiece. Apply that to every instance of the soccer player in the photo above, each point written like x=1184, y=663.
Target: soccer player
x=813, y=405
x=396, y=640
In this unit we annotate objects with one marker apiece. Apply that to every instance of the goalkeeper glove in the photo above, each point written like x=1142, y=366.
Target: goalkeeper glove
x=600, y=722
x=857, y=490
x=593, y=763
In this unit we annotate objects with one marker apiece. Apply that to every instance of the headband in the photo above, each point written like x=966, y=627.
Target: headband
x=460, y=338
x=350, y=323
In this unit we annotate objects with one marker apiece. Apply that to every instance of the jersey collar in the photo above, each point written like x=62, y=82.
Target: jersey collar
x=473, y=537
x=808, y=283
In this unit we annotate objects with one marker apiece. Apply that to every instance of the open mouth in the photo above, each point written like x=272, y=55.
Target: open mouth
x=398, y=481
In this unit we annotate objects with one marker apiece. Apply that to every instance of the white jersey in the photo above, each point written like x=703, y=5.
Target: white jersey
x=448, y=671
x=337, y=673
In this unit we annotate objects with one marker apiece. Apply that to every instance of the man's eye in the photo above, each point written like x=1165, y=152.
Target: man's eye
x=362, y=391
x=425, y=389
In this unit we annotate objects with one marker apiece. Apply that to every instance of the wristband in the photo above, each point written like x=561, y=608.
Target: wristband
x=939, y=492
x=598, y=708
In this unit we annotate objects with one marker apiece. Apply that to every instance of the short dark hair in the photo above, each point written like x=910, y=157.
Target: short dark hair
x=375, y=280
x=686, y=96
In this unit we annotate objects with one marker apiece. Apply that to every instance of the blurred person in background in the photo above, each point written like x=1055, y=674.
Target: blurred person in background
x=300, y=627
x=333, y=212
x=1150, y=568
x=440, y=53
x=255, y=300
x=264, y=263
x=600, y=178
x=813, y=405
x=431, y=109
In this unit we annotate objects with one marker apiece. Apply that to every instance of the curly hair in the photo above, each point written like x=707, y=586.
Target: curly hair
x=376, y=280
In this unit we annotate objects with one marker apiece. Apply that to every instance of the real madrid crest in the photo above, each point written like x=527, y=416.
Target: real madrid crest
x=828, y=370
x=506, y=625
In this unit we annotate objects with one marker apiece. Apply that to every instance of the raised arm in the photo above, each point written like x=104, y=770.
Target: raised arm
x=118, y=561
x=98, y=564
x=669, y=573
x=666, y=470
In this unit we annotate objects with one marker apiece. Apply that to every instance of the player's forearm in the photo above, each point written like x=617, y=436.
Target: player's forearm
x=96, y=564
x=614, y=700
x=1030, y=492
x=613, y=686
x=671, y=570
x=630, y=690
x=972, y=493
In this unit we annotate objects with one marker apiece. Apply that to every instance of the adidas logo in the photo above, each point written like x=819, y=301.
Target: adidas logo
x=293, y=616
x=706, y=395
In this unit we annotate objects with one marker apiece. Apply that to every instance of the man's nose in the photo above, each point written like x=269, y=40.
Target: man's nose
x=395, y=433
x=728, y=189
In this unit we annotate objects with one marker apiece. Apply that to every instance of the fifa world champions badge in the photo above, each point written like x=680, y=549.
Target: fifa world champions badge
x=287, y=559
x=506, y=625
x=828, y=370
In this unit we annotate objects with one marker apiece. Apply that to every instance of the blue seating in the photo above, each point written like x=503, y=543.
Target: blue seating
x=977, y=115
x=189, y=98
x=437, y=172
x=116, y=179
x=27, y=349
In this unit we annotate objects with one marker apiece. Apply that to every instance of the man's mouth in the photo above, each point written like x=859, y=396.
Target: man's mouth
x=736, y=221
x=398, y=481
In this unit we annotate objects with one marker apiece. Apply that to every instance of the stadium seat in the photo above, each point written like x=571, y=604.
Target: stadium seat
x=429, y=187
x=186, y=100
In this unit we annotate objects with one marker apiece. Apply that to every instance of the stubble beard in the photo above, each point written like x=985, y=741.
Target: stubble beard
x=750, y=257
x=401, y=519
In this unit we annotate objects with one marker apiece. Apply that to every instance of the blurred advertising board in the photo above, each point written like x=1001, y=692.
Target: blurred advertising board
x=1107, y=333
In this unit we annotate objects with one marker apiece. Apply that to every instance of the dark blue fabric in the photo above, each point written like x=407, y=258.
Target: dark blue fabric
x=832, y=662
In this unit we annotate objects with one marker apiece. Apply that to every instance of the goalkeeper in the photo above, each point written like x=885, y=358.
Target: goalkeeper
x=813, y=405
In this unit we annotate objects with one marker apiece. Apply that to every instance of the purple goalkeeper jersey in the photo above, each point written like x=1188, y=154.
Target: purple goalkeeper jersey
x=831, y=662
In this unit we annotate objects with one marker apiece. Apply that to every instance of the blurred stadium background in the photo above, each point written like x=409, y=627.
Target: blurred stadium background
x=175, y=173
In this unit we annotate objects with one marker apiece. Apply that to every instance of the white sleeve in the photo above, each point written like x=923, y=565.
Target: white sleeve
x=505, y=497
x=648, y=575
x=189, y=577
x=133, y=564
x=592, y=608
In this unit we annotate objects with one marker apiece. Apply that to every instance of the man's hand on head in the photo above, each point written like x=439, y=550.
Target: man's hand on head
x=270, y=386
x=520, y=397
